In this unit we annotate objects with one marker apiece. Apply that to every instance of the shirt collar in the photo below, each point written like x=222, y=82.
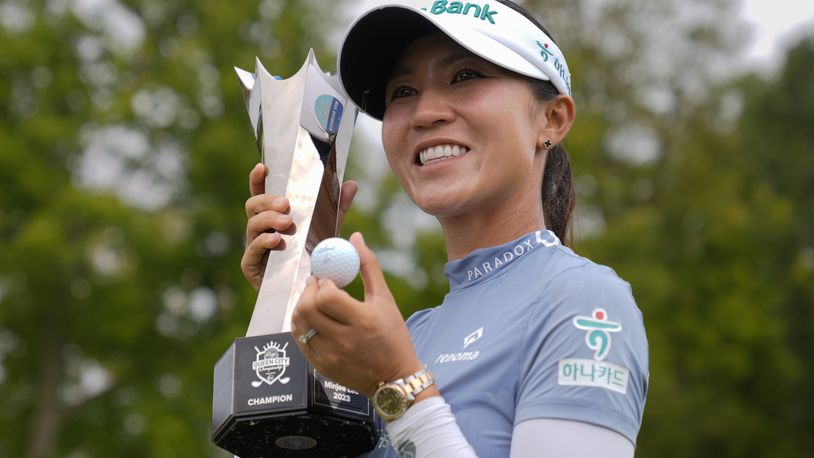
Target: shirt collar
x=484, y=263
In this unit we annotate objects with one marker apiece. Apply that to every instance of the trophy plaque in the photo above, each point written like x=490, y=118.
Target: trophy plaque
x=268, y=401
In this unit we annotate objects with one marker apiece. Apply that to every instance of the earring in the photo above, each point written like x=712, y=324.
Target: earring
x=547, y=144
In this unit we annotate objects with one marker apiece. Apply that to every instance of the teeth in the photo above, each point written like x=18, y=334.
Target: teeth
x=440, y=152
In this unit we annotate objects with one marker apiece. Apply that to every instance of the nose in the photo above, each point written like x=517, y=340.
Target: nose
x=432, y=108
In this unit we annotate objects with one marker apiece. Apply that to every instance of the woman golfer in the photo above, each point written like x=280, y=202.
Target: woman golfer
x=535, y=351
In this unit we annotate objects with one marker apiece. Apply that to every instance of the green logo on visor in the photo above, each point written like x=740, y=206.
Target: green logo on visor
x=481, y=12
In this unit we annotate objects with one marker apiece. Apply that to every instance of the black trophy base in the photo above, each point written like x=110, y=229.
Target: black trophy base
x=269, y=402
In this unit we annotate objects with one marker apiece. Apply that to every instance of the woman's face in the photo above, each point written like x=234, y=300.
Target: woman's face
x=462, y=134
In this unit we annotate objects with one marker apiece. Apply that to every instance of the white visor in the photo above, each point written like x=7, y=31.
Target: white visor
x=487, y=28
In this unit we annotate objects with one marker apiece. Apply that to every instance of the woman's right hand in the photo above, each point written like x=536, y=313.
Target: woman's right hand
x=268, y=218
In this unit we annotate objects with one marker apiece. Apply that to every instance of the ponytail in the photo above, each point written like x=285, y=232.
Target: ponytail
x=558, y=194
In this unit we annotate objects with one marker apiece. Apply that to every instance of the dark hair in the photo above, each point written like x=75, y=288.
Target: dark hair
x=557, y=191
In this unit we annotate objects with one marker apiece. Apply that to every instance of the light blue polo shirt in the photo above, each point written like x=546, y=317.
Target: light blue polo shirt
x=531, y=330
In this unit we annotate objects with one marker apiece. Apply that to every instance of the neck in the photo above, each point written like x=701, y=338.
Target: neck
x=465, y=233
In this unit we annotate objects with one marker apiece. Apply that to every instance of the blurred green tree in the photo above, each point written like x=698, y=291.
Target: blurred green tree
x=124, y=165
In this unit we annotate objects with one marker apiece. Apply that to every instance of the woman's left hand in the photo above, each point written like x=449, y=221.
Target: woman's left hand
x=358, y=344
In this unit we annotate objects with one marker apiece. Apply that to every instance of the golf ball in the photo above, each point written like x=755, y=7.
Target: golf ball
x=335, y=259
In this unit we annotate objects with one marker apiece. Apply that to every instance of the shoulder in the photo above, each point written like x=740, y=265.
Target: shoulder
x=573, y=265
x=581, y=284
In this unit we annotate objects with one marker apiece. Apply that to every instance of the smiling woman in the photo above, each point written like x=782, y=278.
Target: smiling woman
x=444, y=98
x=535, y=351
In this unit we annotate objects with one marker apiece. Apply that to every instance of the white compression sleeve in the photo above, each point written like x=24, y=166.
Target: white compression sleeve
x=428, y=429
x=552, y=438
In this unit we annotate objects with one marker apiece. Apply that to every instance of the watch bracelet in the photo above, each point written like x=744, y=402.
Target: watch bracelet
x=420, y=381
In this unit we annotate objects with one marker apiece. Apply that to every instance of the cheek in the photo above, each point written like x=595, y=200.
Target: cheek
x=387, y=139
x=391, y=132
x=394, y=141
x=389, y=143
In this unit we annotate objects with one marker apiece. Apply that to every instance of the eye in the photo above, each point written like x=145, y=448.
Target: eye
x=400, y=92
x=465, y=74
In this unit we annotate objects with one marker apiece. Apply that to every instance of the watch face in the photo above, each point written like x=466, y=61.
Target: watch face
x=390, y=400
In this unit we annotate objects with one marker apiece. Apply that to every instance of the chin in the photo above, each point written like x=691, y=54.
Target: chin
x=440, y=208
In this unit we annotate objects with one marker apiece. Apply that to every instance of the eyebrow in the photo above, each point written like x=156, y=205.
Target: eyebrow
x=449, y=59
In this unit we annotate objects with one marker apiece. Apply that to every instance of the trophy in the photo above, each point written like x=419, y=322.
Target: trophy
x=267, y=399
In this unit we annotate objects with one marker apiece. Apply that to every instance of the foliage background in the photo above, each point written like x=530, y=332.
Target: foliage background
x=124, y=152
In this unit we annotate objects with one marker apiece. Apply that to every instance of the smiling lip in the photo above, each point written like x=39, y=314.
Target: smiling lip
x=439, y=152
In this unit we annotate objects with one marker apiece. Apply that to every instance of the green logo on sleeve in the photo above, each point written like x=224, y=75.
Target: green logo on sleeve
x=599, y=328
x=481, y=12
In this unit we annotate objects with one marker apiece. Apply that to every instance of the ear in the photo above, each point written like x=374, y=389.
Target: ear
x=558, y=115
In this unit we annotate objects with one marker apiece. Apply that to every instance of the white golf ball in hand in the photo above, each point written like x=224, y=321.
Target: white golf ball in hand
x=335, y=259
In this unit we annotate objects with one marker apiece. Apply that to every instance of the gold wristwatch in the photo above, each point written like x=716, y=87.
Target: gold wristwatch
x=392, y=399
